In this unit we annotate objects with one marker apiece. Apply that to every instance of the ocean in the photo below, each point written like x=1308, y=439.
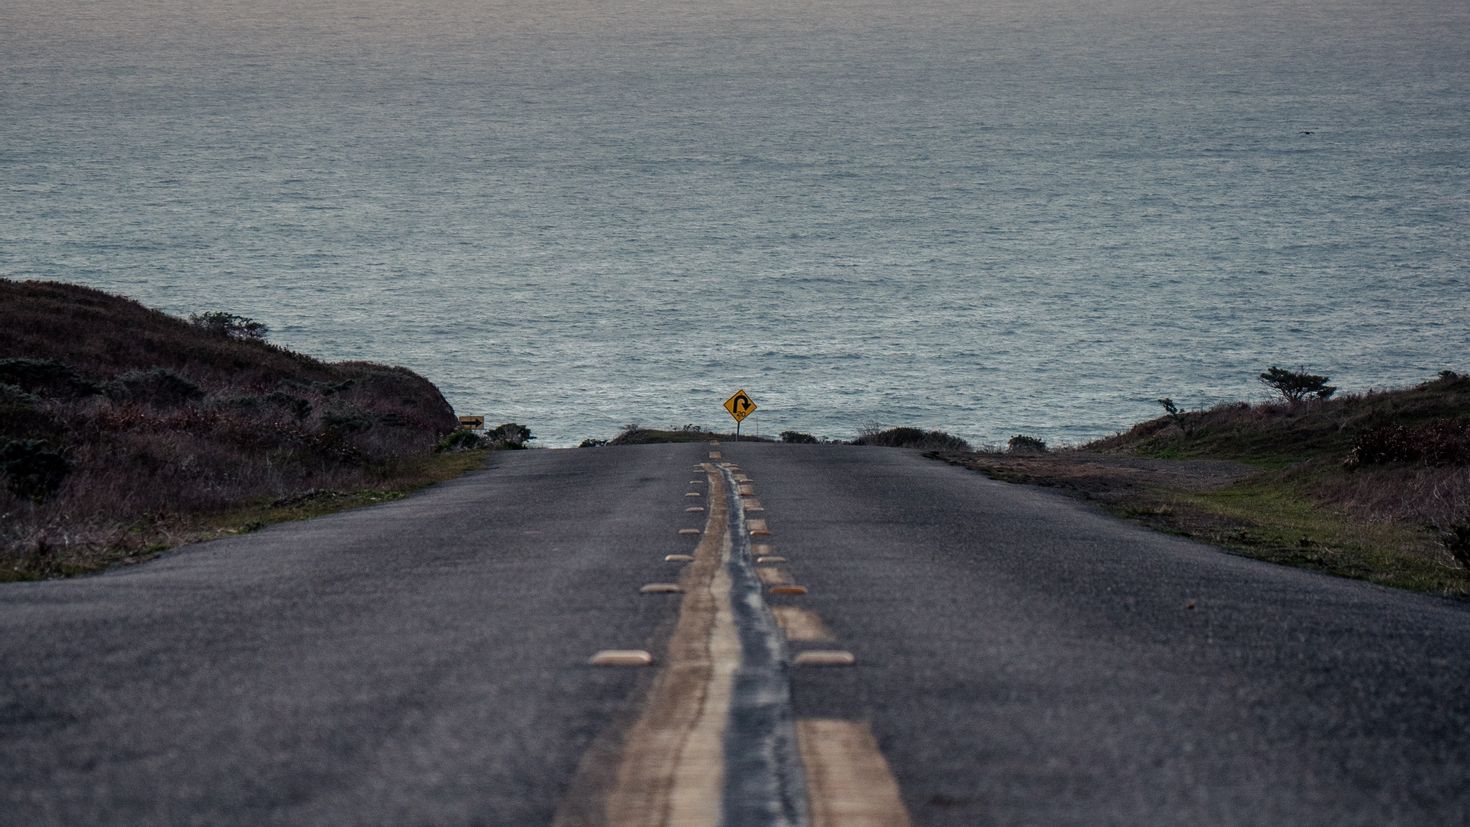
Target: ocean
x=991, y=218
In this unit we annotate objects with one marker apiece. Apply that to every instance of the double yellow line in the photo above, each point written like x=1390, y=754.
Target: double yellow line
x=670, y=766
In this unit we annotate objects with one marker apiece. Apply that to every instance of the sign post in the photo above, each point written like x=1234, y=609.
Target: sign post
x=740, y=406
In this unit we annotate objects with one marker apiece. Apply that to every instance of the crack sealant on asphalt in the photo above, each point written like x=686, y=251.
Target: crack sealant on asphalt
x=764, y=783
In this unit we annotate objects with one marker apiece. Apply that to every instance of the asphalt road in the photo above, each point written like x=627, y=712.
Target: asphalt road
x=1019, y=658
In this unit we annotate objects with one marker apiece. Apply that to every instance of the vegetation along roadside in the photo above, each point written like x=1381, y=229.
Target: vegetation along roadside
x=125, y=431
x=1374, y=486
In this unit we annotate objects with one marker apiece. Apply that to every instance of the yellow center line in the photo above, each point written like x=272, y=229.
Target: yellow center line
x=772, y=576
x=848, y=783
x=801, y=625
x=671, y=768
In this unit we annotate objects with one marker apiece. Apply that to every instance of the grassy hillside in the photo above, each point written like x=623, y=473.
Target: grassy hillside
x=1281, y=434
x=124, y=429
x=1374, y=486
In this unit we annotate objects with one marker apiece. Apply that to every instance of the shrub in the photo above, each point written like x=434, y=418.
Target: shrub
x=798, y=438
x=295, y=405
x=12, y=396
x=509, y=435
x=46, y=377
x=460, y=441
x=346, y=421
x=231, y=326
x=32, y=468
x=1296, y=385
x=1456, y=541
x=393, y=419
x=911, y=438
x=155, y=386
x=592, y=443
x=1440, y=442
x=1022, y=444
x=239, y=403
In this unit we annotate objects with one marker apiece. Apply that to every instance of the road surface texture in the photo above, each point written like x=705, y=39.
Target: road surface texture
x=1016, y=659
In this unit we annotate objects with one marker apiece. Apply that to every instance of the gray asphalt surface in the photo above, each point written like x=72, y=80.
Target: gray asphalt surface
x=1022, y=660
x=419, y=662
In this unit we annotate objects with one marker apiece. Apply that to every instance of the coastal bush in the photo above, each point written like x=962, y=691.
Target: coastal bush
x=230, y=326
x=32, y=468
x=798, y=438
x=905, y=437
x=592, y=442
x=347, y=420
x=294, y=405
x=1296, y=385
x=460, y=441
x=1456, y=541
x=1439, y=442
x=45, y=377
x=13, y=397
x=509, y=435
x=154, y=386
x=1022, y=444
x=25, y=415
x=393, y=419
x=241, y=403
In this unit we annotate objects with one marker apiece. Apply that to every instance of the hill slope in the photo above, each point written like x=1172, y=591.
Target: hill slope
x=121, y=425
x=1373, y=486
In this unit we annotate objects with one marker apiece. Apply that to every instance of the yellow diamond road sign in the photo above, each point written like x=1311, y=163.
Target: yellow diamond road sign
x=740, y=405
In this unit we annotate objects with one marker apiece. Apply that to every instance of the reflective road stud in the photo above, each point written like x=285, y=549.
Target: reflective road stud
x=621, y=657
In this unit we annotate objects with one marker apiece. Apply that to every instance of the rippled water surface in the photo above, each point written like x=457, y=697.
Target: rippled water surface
x=988, y=217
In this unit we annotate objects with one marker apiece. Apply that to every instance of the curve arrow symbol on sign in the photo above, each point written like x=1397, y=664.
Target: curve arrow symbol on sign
x=740, y=405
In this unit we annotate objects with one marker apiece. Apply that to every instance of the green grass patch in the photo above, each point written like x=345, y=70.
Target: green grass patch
x=1278, y=522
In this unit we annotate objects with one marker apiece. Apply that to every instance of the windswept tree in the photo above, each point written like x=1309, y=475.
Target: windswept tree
x=1175, y=413
x=231, y=326
x=1296, y=385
